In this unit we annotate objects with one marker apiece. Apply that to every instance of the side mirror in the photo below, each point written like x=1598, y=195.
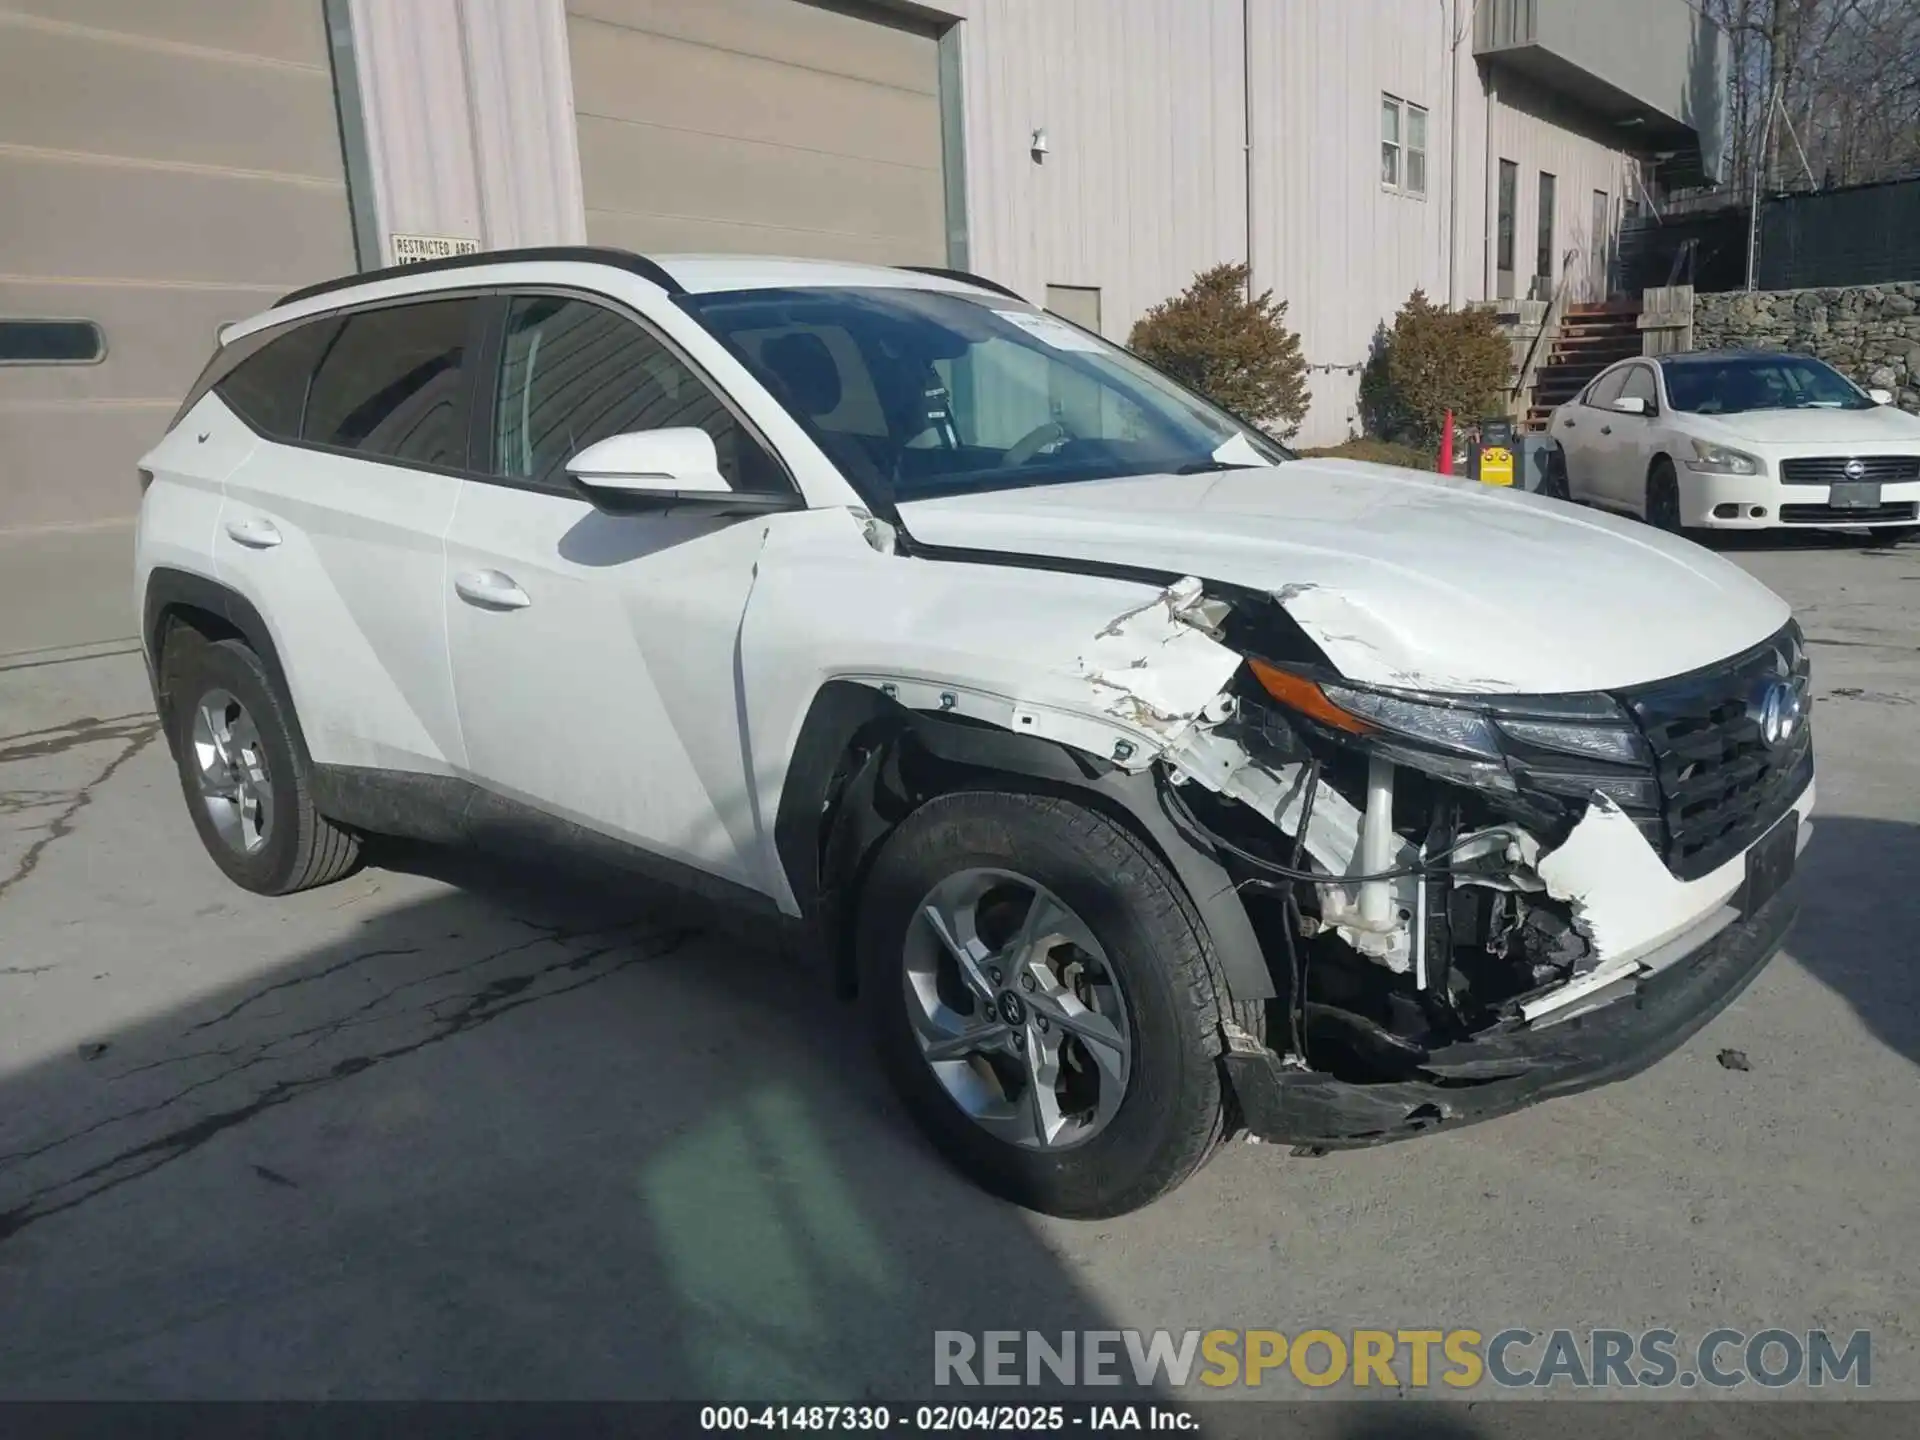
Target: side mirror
x=1880, y=397
x=1630, y=405
x=675, y=468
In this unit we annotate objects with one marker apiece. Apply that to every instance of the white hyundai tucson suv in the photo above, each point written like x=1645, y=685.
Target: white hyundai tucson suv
x=1146, y=782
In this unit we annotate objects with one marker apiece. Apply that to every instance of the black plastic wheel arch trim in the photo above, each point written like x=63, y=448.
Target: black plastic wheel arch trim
x=843, y=710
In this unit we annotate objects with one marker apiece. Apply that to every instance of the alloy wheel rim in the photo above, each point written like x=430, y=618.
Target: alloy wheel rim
x=1017, y=1010
x=231, y=765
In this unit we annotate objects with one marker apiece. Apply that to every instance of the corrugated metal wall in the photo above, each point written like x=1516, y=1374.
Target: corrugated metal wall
x=1540, y=134
x=1344, y=250
x=1145, y=181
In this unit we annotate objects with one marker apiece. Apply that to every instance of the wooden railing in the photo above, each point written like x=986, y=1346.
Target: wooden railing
x=1549, y=329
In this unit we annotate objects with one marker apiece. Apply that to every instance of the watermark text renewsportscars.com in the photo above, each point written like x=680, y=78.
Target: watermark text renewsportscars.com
x=1440, y=1360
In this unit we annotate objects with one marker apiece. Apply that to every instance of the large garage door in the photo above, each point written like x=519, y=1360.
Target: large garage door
x=767, y=126
x=166, y=166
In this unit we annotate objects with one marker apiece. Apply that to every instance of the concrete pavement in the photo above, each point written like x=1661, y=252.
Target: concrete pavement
x=459, y=1130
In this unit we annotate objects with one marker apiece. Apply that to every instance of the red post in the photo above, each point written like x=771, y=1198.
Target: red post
x=1446, y=446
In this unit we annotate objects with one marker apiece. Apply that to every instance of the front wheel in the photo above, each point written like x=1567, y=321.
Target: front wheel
x=1663, y=497
x=1045, y=1001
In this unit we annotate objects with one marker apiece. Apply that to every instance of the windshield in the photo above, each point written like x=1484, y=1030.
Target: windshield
x=1764, y=382
x=915, y=393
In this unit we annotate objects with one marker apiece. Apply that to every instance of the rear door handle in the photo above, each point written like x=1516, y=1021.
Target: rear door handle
x=1568, y=423
x=491, y=590
x=253, y=532
x=1606, y=429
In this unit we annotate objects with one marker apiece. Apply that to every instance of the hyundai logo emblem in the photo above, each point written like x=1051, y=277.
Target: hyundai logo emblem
x=1855, y=470
x=1777, y=706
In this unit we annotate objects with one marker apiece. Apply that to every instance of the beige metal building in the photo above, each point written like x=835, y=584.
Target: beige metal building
x=170, y=165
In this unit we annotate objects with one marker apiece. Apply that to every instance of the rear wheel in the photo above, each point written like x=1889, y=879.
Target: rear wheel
x=1663, y=496
x=244, y=777
x=1896, y=534
x=1045, y=1001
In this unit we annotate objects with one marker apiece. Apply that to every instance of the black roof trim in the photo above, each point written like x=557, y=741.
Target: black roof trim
x=576, y=254
x=1733, y=352
x=966, y=279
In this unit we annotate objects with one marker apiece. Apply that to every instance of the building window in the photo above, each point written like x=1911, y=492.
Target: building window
x=1416, y=150
x=1403, y=146
x=1543, y=261
x=1509, y=200
x=1390, y=142
x=51, y=342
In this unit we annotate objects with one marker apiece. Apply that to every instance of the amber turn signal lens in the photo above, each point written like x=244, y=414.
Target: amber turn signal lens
x=1306, y=697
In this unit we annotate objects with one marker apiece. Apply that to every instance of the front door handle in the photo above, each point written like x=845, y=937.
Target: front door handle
x=1606, y=429
x=1568, y=422
x=491, y=590
x=253, y=532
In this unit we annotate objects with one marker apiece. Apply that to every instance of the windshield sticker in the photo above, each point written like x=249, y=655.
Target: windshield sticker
x=1051, y=332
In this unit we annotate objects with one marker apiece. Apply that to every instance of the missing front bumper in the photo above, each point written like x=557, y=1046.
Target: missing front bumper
x=1506, y=1071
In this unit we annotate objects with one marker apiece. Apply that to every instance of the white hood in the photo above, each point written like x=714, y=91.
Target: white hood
x=1882, y=425
x=1402, y=578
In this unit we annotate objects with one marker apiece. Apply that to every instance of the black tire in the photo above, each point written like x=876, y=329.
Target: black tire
x=300, y=848
x=1553, y=483
x=1894, y=535
x=1174, y=1111
x=1663, y=497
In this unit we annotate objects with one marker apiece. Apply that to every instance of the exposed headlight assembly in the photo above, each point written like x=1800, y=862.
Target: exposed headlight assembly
x=1720, y=460
x=1569, y=745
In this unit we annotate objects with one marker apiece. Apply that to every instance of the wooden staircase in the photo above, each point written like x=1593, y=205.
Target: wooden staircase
x=1589, y=338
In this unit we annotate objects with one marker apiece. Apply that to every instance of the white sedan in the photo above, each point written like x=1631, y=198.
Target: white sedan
x=1741, y=440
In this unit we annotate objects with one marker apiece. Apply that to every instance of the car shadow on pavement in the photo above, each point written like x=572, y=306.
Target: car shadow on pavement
x=1859, y=926
x=669, y=1171
x=1737, y=542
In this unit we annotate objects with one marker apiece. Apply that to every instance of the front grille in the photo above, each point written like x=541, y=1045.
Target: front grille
x=1832, y=469
x=1845, y=515
x=1721, y=785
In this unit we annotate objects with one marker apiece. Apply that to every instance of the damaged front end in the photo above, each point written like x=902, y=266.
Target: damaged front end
x=1469, y=902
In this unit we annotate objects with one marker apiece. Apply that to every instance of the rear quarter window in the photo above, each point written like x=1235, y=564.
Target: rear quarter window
x=268, y=389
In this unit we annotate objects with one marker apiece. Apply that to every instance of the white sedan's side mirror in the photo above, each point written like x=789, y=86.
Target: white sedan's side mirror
x=1880, y=397
x=1630, y=405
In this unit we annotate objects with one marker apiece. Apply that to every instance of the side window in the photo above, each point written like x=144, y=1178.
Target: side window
x=573, y=372
x=390, y=384
x=1640, y=386
x=269, y=388
x=1604, y=391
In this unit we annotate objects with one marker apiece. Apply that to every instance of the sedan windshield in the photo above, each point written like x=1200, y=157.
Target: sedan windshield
x=915, y=393
x=1761, y=382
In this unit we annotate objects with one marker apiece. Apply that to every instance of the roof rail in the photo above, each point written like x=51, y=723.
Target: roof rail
x=578, y=254
x=965, y=278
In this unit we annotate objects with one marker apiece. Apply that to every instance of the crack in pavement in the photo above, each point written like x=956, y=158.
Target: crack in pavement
x=260, y=1048
x=498, y=997
x=139, y=736
x=61, y=738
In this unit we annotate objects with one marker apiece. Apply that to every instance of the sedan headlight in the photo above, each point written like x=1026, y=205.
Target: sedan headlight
x=1721, y=460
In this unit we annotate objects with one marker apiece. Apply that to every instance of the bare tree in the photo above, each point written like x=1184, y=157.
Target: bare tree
x=1821, y=92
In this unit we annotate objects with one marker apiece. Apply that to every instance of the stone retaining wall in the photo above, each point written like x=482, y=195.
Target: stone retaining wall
x=1868, y=332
